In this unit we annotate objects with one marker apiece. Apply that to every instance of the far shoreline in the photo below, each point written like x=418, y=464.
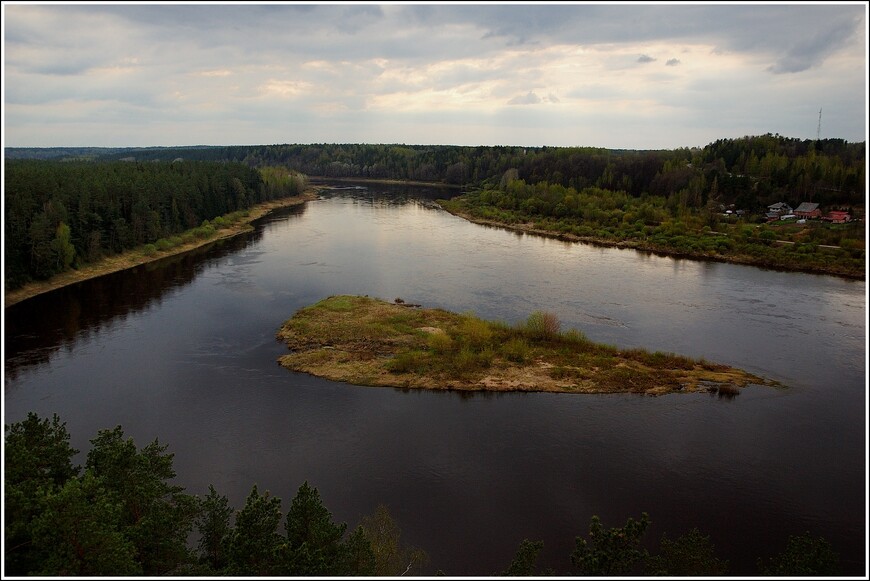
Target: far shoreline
x=641, y=247
x=322, y=180
x=136, y=257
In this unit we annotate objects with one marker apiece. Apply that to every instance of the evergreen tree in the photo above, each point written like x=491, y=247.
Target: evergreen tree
x=254, y=542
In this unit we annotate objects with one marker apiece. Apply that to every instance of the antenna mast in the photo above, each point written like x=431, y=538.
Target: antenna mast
x=819, y=128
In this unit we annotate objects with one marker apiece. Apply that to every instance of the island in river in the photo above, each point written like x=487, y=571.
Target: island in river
x=368, y=341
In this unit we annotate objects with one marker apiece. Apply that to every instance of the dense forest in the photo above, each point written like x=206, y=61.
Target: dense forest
x=750, y=172
x=119, y=514
x=74, y=205
x=62, y=214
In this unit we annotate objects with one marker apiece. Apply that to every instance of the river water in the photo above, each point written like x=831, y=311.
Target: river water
x=184, y=350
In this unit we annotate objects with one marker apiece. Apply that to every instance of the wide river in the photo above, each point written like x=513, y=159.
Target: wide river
x=184, y=350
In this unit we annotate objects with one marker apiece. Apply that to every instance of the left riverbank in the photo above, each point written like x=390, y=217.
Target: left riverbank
x=143, y=254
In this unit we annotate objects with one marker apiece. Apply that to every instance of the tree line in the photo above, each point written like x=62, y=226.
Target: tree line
x=119, y=514
x=751, y=172
x=60, y=215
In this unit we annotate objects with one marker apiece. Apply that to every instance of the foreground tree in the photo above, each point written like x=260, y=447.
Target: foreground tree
x=610, y=552
x=804, y=555
x=254, y=542
x=524, y=561
x=79, y=532
x=213, y=525
x=391, y=557
x=690, y=555
x=155, y=515
x=38, y=464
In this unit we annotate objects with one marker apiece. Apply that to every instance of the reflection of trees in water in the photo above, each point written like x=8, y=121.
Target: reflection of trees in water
x=38, y=327
x=388, y=194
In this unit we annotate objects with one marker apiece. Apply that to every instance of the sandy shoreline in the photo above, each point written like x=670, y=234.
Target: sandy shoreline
x=136, y=257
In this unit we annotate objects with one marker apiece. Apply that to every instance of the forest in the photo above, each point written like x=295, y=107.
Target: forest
x=69, y=206
x=59, y=215
x=119, y=514
x=751, y=172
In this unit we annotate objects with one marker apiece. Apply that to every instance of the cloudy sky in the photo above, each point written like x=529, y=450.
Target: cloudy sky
x=638, y=76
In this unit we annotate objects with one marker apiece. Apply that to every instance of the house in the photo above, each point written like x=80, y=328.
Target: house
x=837, y=217
x=779, y=209
x=808, y=210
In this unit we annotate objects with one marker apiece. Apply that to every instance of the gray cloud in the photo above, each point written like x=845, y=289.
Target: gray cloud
x=811, y=50
x=529, y=98
x=189, y=68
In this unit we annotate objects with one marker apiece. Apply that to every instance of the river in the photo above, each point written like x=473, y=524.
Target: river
x=184, y=350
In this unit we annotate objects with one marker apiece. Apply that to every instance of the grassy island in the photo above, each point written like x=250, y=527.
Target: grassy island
x=366, y=341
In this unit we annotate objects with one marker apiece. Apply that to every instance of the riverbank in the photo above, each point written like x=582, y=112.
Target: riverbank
x=366, y=341
x=144, y=254
x=644, y=246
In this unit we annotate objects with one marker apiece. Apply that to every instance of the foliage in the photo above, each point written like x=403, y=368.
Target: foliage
x=121, y=516
x=38, y=463
x=313, y=540
x=613, y=551
x=79, y=531
x=541, y=325
x=213, y=525
x=690, y=555
x=155, y=515
x=804, y=555
x=524, y=561
x=391, y=557
x=254, y=542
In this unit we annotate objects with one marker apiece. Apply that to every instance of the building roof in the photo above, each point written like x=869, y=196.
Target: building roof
x=778, y=206
x=807, y=207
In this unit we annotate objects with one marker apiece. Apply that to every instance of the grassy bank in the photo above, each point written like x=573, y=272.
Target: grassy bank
x=767, y=246
x=366, y=341
x=221, y=227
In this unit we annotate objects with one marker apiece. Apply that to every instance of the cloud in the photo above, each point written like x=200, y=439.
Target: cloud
x=426, y=70
x=811, y=50
x=529, y=98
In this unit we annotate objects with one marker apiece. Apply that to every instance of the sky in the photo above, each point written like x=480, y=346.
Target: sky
x=618, y=76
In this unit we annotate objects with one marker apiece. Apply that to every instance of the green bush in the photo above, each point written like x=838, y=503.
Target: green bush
x=543, y=325
x=440, y=343
x=406, y=362
x=475, y=332
x=516, y=350
x=149, y=250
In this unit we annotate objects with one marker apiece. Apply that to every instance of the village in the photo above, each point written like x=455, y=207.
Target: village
x=805, y=211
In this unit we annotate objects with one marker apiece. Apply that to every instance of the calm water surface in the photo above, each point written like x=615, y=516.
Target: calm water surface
x=185, y=350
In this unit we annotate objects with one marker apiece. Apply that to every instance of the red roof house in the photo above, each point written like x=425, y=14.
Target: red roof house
x=838, y=217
